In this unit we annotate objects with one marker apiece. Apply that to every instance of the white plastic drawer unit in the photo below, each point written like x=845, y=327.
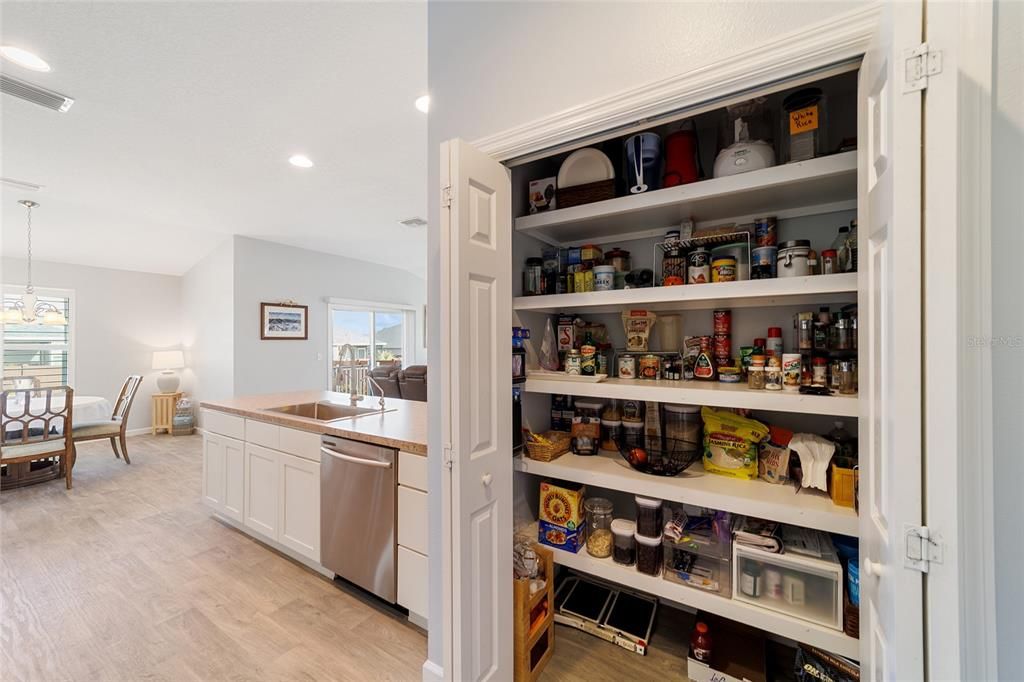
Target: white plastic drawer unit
x=797, y=586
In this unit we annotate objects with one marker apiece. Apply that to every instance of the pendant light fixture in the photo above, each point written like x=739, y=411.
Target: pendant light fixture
x=28, y=309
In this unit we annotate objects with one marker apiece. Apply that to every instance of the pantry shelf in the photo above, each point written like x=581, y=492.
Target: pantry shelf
x=692, y=598
x=813, y=290
x=711, y=393
x=769, y=191
x=810, y=509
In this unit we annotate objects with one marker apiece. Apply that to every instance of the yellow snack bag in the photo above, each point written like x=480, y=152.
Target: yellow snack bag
x=730, y=443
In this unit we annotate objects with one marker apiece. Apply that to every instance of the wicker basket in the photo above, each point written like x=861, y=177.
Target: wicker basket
x=560, y=441
x=851, y=618
x=585, y=194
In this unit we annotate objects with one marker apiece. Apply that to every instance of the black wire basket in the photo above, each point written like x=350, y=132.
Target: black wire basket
x=661, y=456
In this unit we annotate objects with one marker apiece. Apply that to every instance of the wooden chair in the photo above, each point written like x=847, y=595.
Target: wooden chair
x=115, y=427
x=38, y=436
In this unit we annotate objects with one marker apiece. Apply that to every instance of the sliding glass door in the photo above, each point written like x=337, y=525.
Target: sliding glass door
x=377, y=336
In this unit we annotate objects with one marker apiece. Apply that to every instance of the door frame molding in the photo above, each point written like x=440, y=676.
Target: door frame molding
x=816, y=46
x=811, y=47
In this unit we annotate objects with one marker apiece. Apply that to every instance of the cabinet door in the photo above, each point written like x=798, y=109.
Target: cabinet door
x=213, y=472
x=412, y=581
x=261, y=490
x=299, y=505
x=234, y=479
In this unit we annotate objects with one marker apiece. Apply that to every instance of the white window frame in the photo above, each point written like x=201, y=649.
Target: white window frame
x=69, y=294
x=409, y=328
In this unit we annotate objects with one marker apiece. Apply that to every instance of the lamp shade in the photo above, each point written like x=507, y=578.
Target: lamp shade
x=168, y=359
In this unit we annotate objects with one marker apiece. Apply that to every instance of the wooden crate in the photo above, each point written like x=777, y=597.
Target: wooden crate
x=534, y=646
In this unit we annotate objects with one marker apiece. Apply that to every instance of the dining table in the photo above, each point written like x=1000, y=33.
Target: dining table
x=85, y=408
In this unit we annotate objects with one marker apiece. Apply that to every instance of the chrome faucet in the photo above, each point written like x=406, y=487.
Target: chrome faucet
x=354, y=396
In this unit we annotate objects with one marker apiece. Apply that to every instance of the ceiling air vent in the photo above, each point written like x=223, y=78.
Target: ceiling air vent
x=34, y=93
x=414, y=222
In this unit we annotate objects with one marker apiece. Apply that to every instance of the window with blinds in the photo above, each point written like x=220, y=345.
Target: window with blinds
x=38, y=355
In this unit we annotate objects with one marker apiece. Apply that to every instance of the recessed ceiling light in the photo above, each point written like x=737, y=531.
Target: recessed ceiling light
x=423, y=103
x=24, y=58
x=301, y=160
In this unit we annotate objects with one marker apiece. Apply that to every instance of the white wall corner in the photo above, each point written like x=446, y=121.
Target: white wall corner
x=432, y=672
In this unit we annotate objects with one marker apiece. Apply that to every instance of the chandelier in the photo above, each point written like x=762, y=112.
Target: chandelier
x=28, y=309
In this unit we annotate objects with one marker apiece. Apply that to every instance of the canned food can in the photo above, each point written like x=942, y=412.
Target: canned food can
x=705, y=344
x=723, y=321
x=627, y=367
x=723, y=346
x=698, y=270
x=765, y=233
x=650, y=366
x=724, y=270
x=573, y=362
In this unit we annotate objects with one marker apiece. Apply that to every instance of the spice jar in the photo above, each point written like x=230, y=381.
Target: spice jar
x=624, y=550
x=819, y=374
x=847, y=378
x=829, y=262
x=805, y=334
x=843, y=336
x=599, y=526
x=773, y=375
x=648, y=554
x=755, y=377
x=532, y=275
x=648, y=517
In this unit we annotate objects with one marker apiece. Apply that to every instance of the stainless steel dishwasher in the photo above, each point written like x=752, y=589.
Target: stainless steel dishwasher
x=357, y=514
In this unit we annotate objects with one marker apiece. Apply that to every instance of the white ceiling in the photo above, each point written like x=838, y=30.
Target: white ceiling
x=185, y=115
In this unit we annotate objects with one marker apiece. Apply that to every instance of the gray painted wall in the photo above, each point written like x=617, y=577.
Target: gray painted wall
x=120, y=318
x=496, y=65
x=207, y=330
x=1008, y=328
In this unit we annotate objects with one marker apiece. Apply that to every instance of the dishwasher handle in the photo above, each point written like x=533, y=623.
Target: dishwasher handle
x=355, y=460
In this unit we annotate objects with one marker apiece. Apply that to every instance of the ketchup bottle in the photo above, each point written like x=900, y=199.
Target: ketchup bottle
x=700, y=643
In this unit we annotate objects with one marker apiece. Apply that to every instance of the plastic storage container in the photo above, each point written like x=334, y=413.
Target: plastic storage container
x=684, y=423
x=589, y=408
x=795, y=585
x=599, y=524
x=648, y=517
x=701, y=560
x=624, y=550
x=632, y=434
x=648, y=554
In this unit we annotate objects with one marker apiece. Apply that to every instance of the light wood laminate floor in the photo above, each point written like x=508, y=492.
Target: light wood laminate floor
x=127, y=577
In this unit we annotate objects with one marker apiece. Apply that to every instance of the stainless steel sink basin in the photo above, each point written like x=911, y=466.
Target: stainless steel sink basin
x=325, y=411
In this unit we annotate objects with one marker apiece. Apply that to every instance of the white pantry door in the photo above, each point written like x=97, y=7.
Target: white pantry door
x=476, y=329
x=890, y=191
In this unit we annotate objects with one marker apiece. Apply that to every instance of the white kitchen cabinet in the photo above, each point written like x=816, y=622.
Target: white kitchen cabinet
x=413, y=531
x=262, y=489
x=412, y=581
x=223, y=475
x=299, y=505
x=412, y=519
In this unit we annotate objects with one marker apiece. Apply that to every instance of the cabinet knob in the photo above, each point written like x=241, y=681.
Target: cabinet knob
x=873, y=568
x=486, y=478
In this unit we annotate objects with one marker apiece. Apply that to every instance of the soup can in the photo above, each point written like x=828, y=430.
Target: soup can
x=723, y=270
x=723, y=321
x=627, y=367
x=763, y=265
x=650, y=366
x=723, y=346
x=765, y=233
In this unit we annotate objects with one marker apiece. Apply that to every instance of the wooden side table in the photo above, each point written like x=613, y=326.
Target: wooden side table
x=164, y=405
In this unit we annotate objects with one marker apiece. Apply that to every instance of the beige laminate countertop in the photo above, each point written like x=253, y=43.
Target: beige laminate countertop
x=405, y=428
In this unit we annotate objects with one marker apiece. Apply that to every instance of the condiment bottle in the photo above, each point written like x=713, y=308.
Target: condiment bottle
x=588, y=356
x=774, y=346
x=700, y=643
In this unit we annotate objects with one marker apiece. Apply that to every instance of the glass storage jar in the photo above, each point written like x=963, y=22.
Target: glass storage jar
x=599, y=527
x=847, y=377
x=755, y=377
x=624, y=551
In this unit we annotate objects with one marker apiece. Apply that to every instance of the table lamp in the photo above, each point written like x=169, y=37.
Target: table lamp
x=168, y=361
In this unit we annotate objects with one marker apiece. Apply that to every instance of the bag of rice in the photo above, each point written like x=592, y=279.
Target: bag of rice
x=730, y=443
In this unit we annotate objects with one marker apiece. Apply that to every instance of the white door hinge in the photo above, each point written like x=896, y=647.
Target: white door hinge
x=918, y=64
x=921, y=548
x=446, y=456
x=446, y=197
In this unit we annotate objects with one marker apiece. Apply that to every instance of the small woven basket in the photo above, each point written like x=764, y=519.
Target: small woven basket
x=560, y=441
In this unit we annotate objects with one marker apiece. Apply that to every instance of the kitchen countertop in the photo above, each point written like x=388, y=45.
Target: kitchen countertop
x=405, y=428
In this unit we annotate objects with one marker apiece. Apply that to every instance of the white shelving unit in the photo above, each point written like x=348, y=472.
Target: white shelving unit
x=810, y=509
x=711, y=393
x=808, y=187
x=692, y=598
x=814, y=290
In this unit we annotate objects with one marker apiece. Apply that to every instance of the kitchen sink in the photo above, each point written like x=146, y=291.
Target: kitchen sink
x=326, y=411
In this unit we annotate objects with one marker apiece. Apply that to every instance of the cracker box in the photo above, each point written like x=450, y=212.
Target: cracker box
x=562, y=521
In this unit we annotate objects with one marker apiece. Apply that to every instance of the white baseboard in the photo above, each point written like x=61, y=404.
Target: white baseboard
x=137, y=432
x=432, y=672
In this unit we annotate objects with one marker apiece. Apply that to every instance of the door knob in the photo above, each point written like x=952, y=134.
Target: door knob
x=873, y=568
x=486, y=478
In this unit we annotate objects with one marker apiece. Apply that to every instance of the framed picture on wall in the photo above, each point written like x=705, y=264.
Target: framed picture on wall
x=284, y=321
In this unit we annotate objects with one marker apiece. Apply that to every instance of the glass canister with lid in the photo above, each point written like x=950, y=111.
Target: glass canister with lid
x=599, y=527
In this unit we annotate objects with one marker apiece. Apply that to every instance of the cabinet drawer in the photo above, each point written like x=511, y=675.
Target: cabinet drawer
x=412, y=471
x=262, y=433
x=300, y=443
x=412, y=581
x=412, y=519
x=224, y=424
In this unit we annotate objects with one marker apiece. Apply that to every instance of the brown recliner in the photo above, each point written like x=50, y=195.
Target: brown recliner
x=413, y=382
x=387, y=377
